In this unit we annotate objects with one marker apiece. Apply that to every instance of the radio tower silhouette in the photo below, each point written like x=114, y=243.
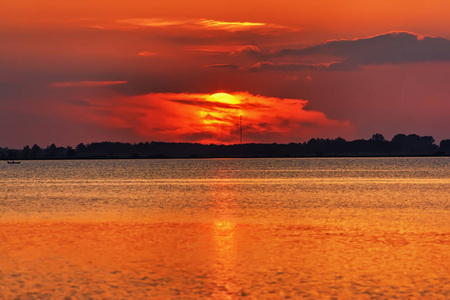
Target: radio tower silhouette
x=240, y=128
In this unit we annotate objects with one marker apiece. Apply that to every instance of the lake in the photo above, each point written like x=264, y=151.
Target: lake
x=226, y=228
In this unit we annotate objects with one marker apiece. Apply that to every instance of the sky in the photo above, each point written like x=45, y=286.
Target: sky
x=188, y=71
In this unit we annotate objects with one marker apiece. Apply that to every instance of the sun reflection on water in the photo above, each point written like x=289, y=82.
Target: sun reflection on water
x=225, y=259
x=224, y=237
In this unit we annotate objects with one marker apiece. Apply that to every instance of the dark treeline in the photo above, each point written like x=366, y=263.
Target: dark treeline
x=400, y=145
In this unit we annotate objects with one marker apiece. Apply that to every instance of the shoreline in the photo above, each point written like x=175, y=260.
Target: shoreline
x=158, y=157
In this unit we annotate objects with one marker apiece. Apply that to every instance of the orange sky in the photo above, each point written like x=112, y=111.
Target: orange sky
x=86, y=71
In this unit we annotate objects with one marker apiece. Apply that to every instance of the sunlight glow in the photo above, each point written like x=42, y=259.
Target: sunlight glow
x=226, y=110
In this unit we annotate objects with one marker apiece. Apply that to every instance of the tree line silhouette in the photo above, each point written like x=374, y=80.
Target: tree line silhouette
x=400, y=145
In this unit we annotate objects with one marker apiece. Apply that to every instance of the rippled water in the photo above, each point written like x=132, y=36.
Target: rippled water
x=226, y=228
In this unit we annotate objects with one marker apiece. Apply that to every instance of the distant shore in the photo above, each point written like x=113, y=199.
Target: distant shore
x=162, y=157
x=401, y=145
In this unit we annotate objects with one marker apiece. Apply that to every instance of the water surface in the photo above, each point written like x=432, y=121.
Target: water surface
x=226, y=228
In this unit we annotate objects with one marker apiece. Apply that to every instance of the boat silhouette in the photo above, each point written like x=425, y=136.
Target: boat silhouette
x=13, y=162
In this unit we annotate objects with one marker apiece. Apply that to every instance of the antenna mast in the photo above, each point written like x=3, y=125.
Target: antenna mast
x=240, y=128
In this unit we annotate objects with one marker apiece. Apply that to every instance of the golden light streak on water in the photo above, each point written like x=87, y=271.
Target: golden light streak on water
x=225, y=259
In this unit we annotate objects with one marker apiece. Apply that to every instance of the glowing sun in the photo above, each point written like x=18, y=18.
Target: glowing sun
x=221, y=109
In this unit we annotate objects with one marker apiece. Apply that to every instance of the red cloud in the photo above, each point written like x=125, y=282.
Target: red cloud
x=184, y=117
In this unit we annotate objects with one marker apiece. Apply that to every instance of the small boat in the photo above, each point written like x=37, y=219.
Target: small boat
x=13, y=162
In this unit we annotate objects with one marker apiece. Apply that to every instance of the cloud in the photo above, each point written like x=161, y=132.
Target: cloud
x=394, y=47
x=230, y=26
x=85, y=83
x=78, y=102
x=205, y=24
x=212, y=49
x=151, y=22
x=189, y=117
x=203, y=103
x=246, y=50
x=223, y=66
x=147, y=53
x=269, y=66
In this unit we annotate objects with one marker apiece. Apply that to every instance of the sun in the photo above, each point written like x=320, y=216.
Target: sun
x=221, y=109
x=223, y=98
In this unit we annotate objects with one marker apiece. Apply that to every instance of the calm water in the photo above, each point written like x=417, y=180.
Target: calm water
x=226, y=228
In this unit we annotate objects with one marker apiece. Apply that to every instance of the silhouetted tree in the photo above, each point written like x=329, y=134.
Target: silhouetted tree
x=71, y=152
x=399, y=138
x=26, y=151
x=36, y=151
x=377, y=137
x=13, y=154
x=50, y=151
x=80, y=147
x=445, y=146
x=414, y=143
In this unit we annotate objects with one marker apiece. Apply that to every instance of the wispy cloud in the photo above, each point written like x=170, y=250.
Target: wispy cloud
x=287, y=67
x=211, y=49
x=143, y=22
x=223, y=66
x=85, y=83
x=247, y=49
x=147, y=53
x=205, y=24
x=231, y=26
